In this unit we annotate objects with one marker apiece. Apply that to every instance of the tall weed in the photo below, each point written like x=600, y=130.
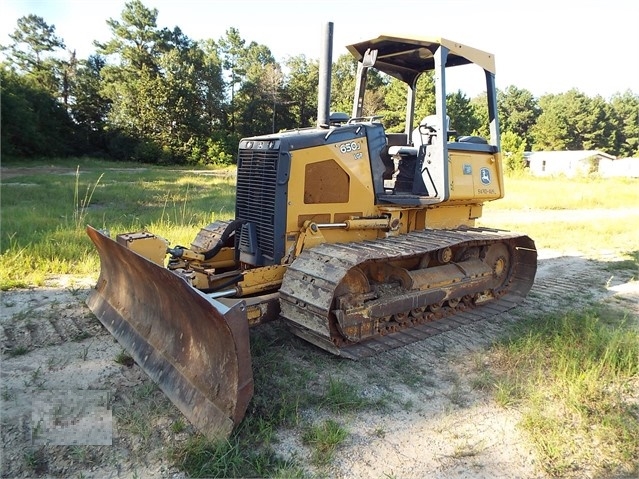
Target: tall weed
x=574, y=375
x=81, y=205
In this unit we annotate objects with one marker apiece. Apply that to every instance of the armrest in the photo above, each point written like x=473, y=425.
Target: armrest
x=403, y=151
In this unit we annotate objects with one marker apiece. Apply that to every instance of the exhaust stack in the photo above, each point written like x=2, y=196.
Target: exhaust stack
x=325, y=67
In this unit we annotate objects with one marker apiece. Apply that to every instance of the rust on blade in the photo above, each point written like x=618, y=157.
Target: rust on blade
x=195, y=348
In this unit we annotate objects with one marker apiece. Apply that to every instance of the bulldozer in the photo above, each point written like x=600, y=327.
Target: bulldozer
x=359, y=239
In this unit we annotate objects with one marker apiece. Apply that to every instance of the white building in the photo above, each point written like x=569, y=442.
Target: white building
x=568, y=163
x=625, y=167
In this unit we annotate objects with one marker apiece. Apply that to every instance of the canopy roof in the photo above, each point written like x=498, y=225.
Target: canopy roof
x=406, y=57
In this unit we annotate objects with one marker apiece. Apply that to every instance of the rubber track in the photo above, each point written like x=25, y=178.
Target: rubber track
x=309, y=284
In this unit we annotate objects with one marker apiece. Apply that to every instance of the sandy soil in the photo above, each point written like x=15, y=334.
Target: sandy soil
x=64, y=387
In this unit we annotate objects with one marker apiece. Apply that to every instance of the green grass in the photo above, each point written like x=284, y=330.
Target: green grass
x=589, y=236
x=630, y=263
x=201, y=457
x=341, y=397
x=567, y=373
x=324, y=439
x=36, y=460
x=17, y=351
x=44, y=215
x=525, y=192
x=534, y=201
x=140, y=418
x=405, y=371
x=571, y=376
x=284, y=389
x=124, y=358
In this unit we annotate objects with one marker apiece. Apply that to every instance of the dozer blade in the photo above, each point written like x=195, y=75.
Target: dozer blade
x=195, y=348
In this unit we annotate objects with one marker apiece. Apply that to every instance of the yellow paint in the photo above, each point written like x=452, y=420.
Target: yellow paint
x=145, y=244
x=354, y=161
x=450, y=216
x=225, y=258
x=464, y=174
x=424, y=46
x=260, y=280
x=309, y=202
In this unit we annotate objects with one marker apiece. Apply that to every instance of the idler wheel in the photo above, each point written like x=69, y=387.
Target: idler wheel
x=498, y=259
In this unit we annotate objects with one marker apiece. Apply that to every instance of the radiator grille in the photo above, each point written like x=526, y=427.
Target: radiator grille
x=256, y=189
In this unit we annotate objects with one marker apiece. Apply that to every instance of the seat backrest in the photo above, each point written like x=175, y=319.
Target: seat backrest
x=420, y=139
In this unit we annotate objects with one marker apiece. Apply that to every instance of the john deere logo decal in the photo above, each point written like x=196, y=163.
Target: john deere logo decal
x=484, y=176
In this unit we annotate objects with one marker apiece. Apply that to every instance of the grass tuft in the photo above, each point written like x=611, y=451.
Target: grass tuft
x=36, y=460
x=202, y=457
x=18, y=351
x=572, y=377
x=324, y=439
x=178, y=426
x=342, y=397
x=124, y=358
x=81, y=205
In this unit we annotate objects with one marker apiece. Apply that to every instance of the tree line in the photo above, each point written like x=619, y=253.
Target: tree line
x=154, y=95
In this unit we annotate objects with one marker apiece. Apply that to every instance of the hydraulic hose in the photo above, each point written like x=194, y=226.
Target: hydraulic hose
x=230, y=229
x=178, y=251
x=231, y=282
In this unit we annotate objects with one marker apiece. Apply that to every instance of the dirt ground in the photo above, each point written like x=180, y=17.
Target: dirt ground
x=69, y=409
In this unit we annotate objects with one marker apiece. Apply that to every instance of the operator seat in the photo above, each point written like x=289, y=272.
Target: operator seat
x=422, y=135
x=408, y=155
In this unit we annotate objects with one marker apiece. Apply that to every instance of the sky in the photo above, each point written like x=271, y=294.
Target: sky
x=544, y=46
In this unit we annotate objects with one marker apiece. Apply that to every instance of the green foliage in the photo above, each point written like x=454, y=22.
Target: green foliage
x=513, y=148
x=212, y=152
x=394, y=112
x=33, y=122
x=573, y=121
x=518, y=112
x=625, y=119
x=257, y=99
x=33, y=42
x=154, y=95
x=89, y=109
x=461, y=113
x=343, y=84
x=303, y=80
x=480, y=111
x=424, y=97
